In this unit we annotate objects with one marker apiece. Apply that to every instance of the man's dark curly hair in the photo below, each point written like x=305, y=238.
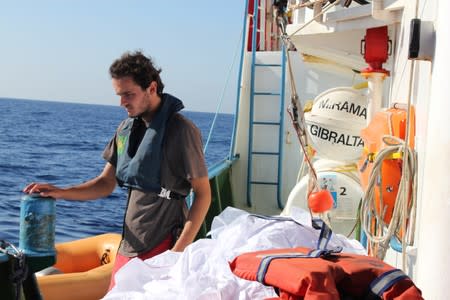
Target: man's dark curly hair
x=139, y=67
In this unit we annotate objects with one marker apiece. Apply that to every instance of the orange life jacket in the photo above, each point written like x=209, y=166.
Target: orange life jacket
x=299, y=273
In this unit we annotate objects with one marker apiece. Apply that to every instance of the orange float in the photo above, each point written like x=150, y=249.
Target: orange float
x=320, y=201
x=391, y=122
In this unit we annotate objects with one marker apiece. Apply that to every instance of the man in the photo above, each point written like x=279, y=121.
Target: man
x=157, y=154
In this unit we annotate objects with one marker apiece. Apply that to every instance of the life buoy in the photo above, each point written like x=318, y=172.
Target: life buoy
x=391, y=122
x=343, y=183
x=299, y=275
x=335, y=121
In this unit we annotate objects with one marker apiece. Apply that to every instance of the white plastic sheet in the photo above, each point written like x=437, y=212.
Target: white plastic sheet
x=202, y=271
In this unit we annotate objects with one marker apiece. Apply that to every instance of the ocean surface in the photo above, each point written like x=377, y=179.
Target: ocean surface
x=62, y=143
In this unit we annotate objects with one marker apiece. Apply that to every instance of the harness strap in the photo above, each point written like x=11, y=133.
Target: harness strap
x=275, y=218
x=168, y=194
x=325, y=230
x=325, y=235
x=386, y=280
x=267, y=259
x=320, y=251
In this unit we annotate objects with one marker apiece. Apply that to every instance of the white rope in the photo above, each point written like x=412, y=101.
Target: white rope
x=379, y=239
x=296, y=113
x=324, y=10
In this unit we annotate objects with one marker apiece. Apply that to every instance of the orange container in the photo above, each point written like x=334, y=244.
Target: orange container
x=390, y=122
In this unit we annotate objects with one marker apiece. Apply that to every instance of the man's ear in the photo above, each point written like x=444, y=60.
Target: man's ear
x=152, y=88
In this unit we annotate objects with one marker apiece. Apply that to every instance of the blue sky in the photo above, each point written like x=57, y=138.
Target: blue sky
x=61, y=50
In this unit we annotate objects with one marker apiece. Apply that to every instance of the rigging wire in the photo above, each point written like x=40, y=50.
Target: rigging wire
x=219, y=105
x=296, y=113
x=190, y=197
x=324, y=10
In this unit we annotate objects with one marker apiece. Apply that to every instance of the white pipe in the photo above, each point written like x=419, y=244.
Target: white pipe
x=375, y=94
x=379, y=13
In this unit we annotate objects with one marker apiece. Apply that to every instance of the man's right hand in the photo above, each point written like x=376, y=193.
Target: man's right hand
x=44, y=189
x=98, y=187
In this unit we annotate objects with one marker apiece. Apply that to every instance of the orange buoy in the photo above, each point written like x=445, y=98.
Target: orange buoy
x=320, y=201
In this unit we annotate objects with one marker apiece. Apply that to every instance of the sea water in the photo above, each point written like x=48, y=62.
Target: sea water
x=62, y=143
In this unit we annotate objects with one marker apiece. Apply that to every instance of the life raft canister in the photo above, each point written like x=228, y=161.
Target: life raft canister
x=335, y=121
x=389, y=122
x=343, y=183
x=324, y=278
x=37, y=231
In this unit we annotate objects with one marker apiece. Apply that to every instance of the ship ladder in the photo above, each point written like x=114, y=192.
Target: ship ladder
x=254, y=122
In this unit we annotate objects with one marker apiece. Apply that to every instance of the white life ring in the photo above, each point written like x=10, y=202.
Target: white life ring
x=343, y=183
x=335, y=122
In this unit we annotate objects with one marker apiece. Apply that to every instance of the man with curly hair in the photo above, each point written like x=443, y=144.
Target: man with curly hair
x=156, y=153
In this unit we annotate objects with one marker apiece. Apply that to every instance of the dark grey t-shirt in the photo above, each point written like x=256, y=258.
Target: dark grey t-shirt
x=149, y=219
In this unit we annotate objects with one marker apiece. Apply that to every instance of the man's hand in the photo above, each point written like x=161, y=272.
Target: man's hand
x=44, y=189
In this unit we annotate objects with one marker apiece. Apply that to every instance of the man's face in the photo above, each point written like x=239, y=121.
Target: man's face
x=133, y=98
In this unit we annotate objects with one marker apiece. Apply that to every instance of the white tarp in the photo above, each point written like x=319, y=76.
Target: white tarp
x=202, y=270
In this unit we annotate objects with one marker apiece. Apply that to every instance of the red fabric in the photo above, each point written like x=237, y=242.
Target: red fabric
x=317, y=278
x=122, y=260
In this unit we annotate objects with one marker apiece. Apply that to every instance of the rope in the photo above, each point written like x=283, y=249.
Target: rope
x=105, y=259
x=379, y=239
x=19, y=269
x=296, y=113
x=299, y=5
x=189, y=198
x=404, y=166
x=324, y=10
x=219, y=105
x=345, y=170
x=303, y=5
x=297, y=118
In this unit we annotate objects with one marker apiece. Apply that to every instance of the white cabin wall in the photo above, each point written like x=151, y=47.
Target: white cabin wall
x=422, y=79
x=428, y=260
x=311, y=79
x=433, y=243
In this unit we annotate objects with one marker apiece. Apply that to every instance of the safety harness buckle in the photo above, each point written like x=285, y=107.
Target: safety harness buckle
x=164, y=193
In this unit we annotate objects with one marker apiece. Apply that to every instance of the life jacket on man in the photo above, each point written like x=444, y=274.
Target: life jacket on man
x=141, y=168
x=302, y=273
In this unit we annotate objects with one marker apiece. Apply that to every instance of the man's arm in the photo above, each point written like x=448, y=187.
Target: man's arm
x=98, y=187
x=197, y=213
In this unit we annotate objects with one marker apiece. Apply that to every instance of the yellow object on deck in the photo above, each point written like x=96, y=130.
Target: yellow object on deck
x=86, y=267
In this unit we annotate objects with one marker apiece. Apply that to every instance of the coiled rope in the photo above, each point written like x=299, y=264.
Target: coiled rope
x=405, y=201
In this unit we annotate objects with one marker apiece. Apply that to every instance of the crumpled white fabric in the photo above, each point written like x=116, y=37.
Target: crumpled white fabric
x=202, y=271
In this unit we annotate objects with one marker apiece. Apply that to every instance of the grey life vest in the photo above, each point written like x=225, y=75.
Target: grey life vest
x=143, y=169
